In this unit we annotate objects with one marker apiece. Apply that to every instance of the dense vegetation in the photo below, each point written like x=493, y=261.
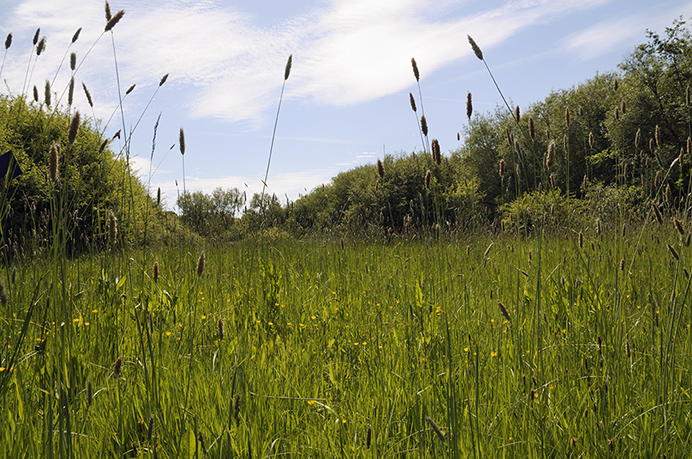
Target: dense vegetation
x=602, y=149
x=395, y=325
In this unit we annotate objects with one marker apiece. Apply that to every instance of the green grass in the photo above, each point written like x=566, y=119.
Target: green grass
x=321, y=344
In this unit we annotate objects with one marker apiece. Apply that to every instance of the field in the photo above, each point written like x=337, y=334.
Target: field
x=562, y=345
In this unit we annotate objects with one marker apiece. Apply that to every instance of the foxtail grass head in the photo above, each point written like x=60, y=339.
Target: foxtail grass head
x=428, y=179
x=181, y=141
x=88, y=95
x=287, y=70
x=117, y=367
x=107, y=8
x=469, y=105
x=476, y=49
x=412, y=100
x=114, y=20
x=416, y=73
x=436, y=154
x=112, y=227
x=380, y=168
x=201, y=261
x=156, y=272
x=74, y=129
x=8, y=41
x=219, y=328
x=75, y=37
x=424, y=125
x=532, y=128
x=53, y=171
x=163, y=80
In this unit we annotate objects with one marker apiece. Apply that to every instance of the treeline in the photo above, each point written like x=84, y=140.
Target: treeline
x=606, y=149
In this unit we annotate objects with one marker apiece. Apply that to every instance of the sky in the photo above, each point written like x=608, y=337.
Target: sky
x=346, y=101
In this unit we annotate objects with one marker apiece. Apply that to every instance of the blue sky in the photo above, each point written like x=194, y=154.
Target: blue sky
x=346, y=101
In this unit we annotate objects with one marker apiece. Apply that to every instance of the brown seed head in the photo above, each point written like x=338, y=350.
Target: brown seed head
x=476, y=49
x=502, y=168
x=416, y=73
x=200, y=264
x=424, y=125
x=46, y=93
x=657, y=136
x=112, y=227
x=657, y=213
x=107, y=8
x=36, y=35
x=163, y=80
x=617, y=113
x=117, y=367
x=155, y=277
x=114, y=20
x=380, y=168
x=287, y=69
x=623, y=107
x=88, y=95
x=567, y=116
x=504, y=311
x=678, y=226
x=532, y=128
x=469, y=105
x=219, y=328
x=35, y=94
x=517, y=114
x=103, y=145
x=412, y=100
x=673, y=252
x=53, y=162
x=181, y=141
x=637, y=139
x=428, y=179
x=487, y=251
x=73, y=61
x=590, y=139
x=581, y=239
x=70, y=92
x=615, y=84
x=75, y=37
x=8, y=41
x=580, y=111
x=74, y=129
x=435, y=429
x=435, y=147
x=130, y=89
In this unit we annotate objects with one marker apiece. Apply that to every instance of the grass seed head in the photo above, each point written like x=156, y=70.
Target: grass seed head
x=107, y=8
x=532, y=128
x=469, y=105
x=8, y=41
x=88, y=95
x=200, y=264
x=435, y=428
x=476, y=49
x=673, y=252
x=112, y=227
x=74, y=129
x=287, y=70
x=416, y=73
x=428, y=179
x=181, y=141
x=487, y=251
x=678, y=226
x=156, y=273
x=617, y=114
x=502, y=168
x=657, y=213
x=615, y=84
x=567, y=116
x=53, y=171
x=581, y=239
x=70, y=92
x=46, y=93
x=3, y=294
x=591, y=139
x=657, y=136
x=517, y=114
x=219, y=327
x=368, y=437
x=380, y=168
x=75, y=37
x=73, y=61
x=550, y=157
x=424, y=125
x=163, y=80
x=35, y=94
x=504, y=311
x=436, y=154
x=130, y=89
x=117, y=367
x=623, y=107
x=114, y=20
x=413, y=102
x=36, y=35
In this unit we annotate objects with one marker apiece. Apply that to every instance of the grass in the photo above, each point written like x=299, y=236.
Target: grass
x=323, y=343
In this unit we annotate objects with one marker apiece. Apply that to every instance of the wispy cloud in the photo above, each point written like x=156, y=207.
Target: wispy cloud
x=610, y=34
x=345, y=52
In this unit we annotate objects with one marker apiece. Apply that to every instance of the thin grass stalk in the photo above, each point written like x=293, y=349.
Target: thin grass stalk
x=287, y=73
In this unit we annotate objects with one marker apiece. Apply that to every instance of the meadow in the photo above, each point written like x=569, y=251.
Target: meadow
x=555, y=325
x=562, y=345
